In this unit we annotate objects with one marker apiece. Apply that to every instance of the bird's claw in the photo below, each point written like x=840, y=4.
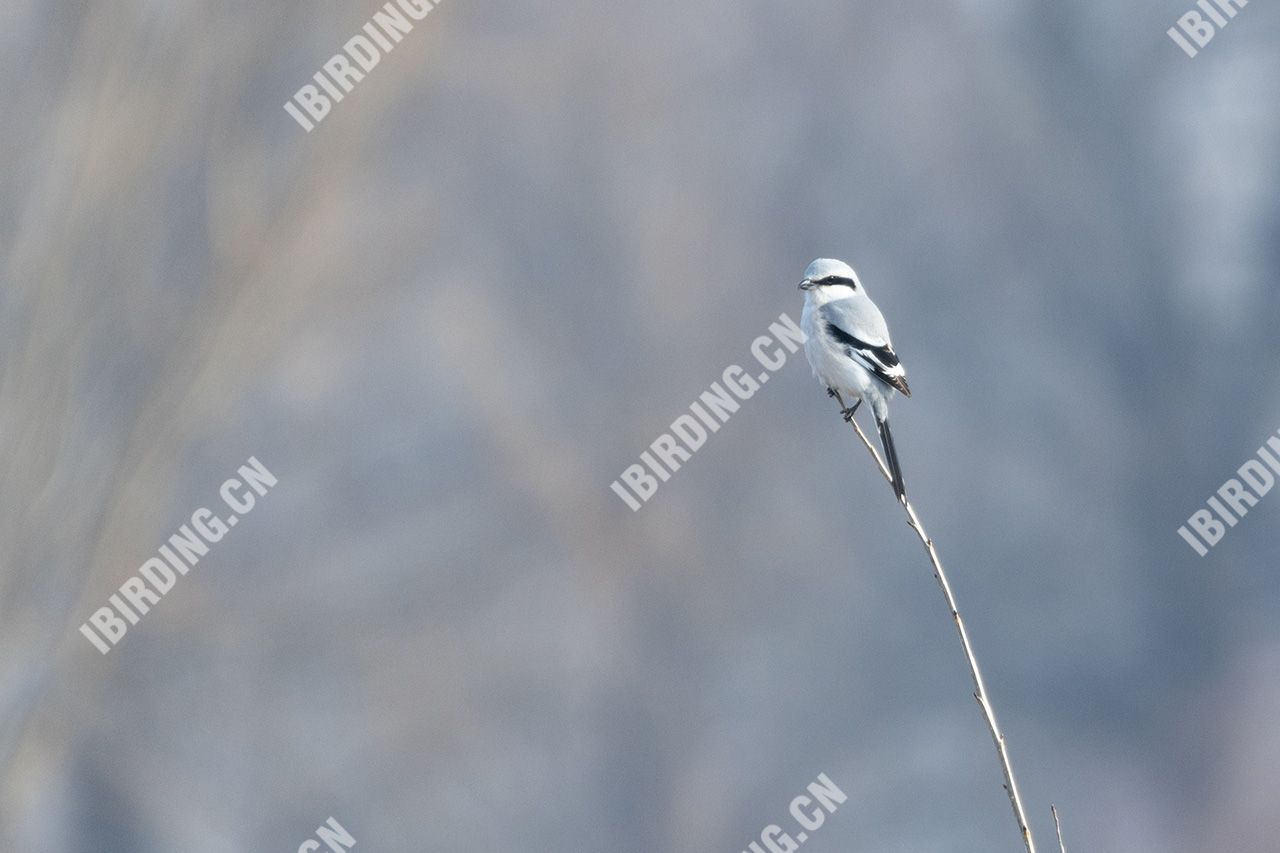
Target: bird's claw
x=847, y=414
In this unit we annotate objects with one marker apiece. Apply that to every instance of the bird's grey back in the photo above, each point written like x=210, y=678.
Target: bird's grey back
x=858, y=316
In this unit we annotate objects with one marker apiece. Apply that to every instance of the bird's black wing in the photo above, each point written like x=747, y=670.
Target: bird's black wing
x=880, y=359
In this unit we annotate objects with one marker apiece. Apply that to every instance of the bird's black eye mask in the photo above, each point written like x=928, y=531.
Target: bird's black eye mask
x=836, y=279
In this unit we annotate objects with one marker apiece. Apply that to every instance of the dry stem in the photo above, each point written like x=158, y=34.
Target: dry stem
x=979, y=688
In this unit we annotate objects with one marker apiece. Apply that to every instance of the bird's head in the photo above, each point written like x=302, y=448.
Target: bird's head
x=829, y=279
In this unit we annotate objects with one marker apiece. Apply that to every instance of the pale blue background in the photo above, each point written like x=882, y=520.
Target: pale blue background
x=452, y=314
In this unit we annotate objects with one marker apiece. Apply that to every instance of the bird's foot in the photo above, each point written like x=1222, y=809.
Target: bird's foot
x=848, y=413
x=831, y=392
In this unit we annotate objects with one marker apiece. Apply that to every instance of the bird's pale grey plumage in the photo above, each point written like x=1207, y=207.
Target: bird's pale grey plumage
x=869, y=344
x=849, y=347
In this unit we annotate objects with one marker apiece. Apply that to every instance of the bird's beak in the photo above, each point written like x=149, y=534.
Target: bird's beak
x=806, y=284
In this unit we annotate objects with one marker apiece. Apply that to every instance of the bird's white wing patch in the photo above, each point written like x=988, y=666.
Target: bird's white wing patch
x=845, y=320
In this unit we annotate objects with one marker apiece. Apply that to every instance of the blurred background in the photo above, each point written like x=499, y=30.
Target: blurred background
x=449, y=317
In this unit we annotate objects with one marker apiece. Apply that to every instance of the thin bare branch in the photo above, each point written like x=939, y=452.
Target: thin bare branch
x=979, y=687
x=1062, y=848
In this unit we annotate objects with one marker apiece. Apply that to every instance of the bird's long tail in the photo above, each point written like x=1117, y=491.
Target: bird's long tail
x=891, y=459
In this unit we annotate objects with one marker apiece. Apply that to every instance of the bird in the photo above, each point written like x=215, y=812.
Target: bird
x=848, y=347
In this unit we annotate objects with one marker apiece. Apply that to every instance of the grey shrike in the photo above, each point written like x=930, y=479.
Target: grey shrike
x=849, y=349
